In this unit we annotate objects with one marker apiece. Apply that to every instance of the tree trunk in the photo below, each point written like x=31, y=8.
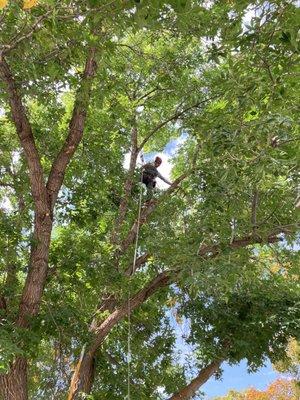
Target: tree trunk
x=36, y=277
x=13, y=386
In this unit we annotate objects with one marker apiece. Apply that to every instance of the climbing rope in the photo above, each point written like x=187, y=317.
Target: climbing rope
x=129, y=291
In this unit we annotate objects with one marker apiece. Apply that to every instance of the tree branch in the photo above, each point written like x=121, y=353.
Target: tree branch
x=18, y=39
x=216, y=249
x=173, y=117
x=76, y=128
x=161, y=280
x=127, y=187
x=25, y=134
x=138, y=263
x=83, y=375
x=146, y=211
x=203, y=376
x=109, y=301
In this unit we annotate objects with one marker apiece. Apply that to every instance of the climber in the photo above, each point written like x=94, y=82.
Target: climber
x=150, y=173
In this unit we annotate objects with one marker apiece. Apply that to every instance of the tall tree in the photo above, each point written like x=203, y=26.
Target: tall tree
x=86, y=84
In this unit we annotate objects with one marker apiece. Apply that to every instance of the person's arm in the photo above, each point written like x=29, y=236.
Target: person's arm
x=164, y=179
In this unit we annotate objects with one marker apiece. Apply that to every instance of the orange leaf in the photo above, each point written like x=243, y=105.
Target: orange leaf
x=27, y=4
x=3, y=3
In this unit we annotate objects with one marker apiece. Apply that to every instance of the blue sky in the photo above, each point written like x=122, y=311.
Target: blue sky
x=236, y=377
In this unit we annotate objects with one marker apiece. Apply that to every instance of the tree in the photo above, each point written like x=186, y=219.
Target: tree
x=85, y=83
x=280, y=389
x=291, y=360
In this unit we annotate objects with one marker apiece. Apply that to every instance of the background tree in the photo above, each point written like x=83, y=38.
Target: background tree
x=278, y=390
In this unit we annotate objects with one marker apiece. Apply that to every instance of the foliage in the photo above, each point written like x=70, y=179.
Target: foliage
x=281, y=389
x=223, y=77
x=290, y=363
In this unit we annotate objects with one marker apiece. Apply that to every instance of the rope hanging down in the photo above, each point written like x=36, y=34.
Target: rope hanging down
x=129, y=292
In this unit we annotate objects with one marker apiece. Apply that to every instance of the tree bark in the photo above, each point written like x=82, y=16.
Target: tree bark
x=13, y=386
x=83, y=376
x=76, y=128
x=203, y=376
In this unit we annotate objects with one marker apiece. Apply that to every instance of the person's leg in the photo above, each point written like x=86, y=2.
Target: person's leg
x=150, y=186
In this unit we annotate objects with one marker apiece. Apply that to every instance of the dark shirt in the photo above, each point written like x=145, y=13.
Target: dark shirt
x=151, y=172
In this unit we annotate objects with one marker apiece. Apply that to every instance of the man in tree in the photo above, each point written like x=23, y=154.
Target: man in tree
x=150, y=173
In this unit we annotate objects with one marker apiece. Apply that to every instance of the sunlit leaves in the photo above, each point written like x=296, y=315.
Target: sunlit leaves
x=27, y=4
x=3, y=3
x=281, y=389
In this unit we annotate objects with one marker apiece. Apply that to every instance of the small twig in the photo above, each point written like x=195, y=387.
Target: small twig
x=37, y=25
x=254, y=210
x=173, y=117
x=4, y=12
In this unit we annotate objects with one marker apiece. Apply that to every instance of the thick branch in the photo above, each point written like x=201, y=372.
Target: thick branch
x=146, y=211
x=203, y=376
x=109, y=301
x=76, y=128
x=25, y=134
x=127, y=186
x=216, y=249
x=83, y=376
x=160, y=281
x=138, y=263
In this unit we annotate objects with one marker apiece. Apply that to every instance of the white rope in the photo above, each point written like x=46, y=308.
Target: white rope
x=129, y=292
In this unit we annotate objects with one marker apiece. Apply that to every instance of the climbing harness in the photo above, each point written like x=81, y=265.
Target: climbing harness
x=129, y=291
